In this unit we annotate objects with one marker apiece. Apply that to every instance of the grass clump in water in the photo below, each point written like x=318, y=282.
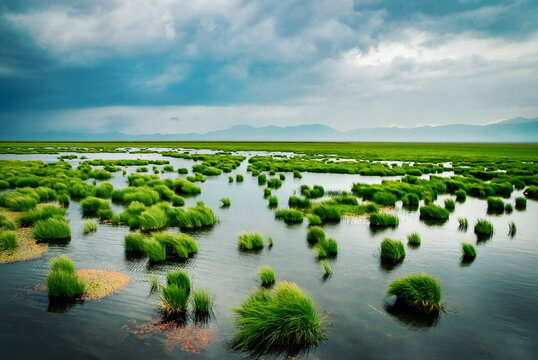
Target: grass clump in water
x=282, y=318
x=62, y=281
x=91, y=205
x=178, y=200
x=238, y=178
x=153, y=282
x=392, y=251
x=313, y=219
x=411, y=200
x=8, y=239
x=175, y=294
x=153, y=218
x=297, y=202
x=326, y=267
x=134, y=242
x=202, y=302
x=383, y=220
x=267, y=276
x=274, y=183
x=433, y=212
x=52, y=229
x=419, y=292
x=273, y=201
x=512, y=229
x=495, y=205
x=483, y=228
x=251, y=241
x=289, y=215
x=461, y=195
x=18, y=202
x=315, y=234
x=30, y=217
x=521, y=203
x=463, y=224
x=384, y=198
x=89, y=226
x=327, y=248
x=450, y=204
x=468, y=250
x=225, y=202
x=413, y=239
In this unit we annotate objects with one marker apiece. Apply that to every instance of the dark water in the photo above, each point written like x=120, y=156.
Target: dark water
x=490, y=304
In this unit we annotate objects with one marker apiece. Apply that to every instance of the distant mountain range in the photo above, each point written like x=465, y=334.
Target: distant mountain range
x=513, y=130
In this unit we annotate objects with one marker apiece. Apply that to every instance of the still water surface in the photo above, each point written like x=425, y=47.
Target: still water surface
x=490, y=305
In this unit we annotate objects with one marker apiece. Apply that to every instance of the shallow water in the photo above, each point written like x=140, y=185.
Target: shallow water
x=489, y=313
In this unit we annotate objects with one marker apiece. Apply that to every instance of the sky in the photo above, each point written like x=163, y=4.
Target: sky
x=164, y=66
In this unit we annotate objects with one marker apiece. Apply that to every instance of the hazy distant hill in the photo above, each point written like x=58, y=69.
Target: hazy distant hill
x=513, y=130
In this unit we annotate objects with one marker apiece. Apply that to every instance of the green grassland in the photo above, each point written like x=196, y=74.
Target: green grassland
x=352, y=150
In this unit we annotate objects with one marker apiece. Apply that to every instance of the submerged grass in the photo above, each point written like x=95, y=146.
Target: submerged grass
x=282, y=318
x=326, y=267
x=512, y=229
x=419, y=292
x=463, y=224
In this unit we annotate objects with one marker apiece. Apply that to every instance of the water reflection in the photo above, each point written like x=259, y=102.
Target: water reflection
x=412, y=319
x=61, y=304
x=466, y=261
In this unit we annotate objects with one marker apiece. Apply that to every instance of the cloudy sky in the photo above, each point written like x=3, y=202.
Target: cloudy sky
x=174, y=66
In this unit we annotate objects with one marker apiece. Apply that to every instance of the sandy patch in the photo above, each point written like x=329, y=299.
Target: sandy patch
x=100, y=283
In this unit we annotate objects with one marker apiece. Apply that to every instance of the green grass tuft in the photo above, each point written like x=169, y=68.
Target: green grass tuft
x=202, y=302
x=315, y=234
x=225, y=202
x=250, y=241
x=284, y=317
x=267, y=276
x=413, y=239
x=468, y=251
x=433, y=212
x=91, y=205
x=384, y=198
x=326, y=267
x=383, y=220
x=450, y=204
x=461, y=195
x=8, y=239
x=153, y=218
x=521, y=203
x=273, y=201
x=483, y=227
x=62, y=281
x=495, y=205
x=29, y=217
x=179, y=278
x=418, y=292
x=52, y=229
x=174, y=299
x=313, y=219
x=327, y=248
x=89, y=226
x=289, y=215
x=392, y=250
